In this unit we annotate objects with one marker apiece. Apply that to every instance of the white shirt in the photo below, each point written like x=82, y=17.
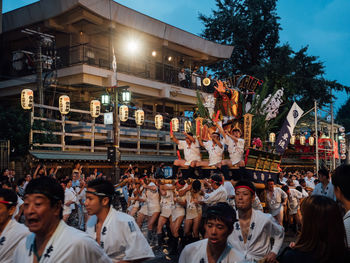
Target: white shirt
x=236, y=150
x=167, y=200
x=294, y=198
x=197, y=253
x=120, y=237
x=310, y=182
x=192, y=152
x=262, y=227
x=217, y=196
x=12, y=234
x=69, y=195
x=347, y=226
x=215, y=152
x=152, y=196
x=274, y=199
x=327, y=191
x=19, y=203
x=67, y=245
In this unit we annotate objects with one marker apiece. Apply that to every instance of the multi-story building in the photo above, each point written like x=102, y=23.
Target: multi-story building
x=77, y=40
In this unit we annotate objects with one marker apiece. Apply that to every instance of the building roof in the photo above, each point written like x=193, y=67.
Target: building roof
x=108, y=9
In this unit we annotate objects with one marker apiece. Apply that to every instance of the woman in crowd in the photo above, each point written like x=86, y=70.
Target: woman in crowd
x=322, y=238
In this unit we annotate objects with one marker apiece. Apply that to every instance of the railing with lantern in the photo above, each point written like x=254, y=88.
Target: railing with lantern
x=78, y=131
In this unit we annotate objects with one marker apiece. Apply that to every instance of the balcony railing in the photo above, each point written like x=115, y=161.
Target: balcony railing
x=144, y=68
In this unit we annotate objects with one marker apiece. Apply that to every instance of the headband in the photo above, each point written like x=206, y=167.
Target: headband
x=246, y=187
x=7, y=202
x=213, y=181
x=98, y=194
x=43, y=192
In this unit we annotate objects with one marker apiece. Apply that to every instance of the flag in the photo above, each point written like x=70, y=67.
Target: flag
x=286, y=132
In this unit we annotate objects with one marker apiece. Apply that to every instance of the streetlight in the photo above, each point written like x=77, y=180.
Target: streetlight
x=105, y=99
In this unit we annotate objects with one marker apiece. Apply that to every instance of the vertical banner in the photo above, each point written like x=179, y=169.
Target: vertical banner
x=247, y=129
x=286, y=132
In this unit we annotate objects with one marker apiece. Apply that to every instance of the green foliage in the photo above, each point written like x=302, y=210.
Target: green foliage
x=343, y=115
x=15, y=126
x=252, y=27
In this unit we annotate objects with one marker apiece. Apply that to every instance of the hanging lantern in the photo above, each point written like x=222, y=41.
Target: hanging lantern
x=123, y=113
x=343, y=134
x=64, y=104
x=342, y=150
x=158, y=121
x=187, y=126
x=27, y=99
x=302, y=140
x=343, y=156
x=126, y=96
x=272, y=137
x=342, y=140
x=342, y=129
x=95, y=108
x=139, y=117
x=292, y=139
x=311, y=140
x=175, y=123
x=206, y=82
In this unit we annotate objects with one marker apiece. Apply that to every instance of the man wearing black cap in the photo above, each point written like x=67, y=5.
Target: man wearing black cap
x=215, y=248
x=51, y=239
x=11, y=232
x=253, y=230
x=116, y=232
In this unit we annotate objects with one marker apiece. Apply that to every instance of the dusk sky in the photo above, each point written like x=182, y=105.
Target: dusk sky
x=323, y=25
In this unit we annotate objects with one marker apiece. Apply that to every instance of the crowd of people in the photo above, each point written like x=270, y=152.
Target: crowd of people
x=51, y=217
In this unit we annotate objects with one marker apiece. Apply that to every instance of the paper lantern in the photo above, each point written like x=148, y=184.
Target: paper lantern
x=292, y=139
x=342, y=140
x=311, y=141
x=343, y=134
x=206, y=82
x=123, y=113
x=158, y=121
x=302, y=140
x=342, y=145
x=187, y=126
x=175, y=123
x=139, y=117
x=343, y=150
x=342, y=129
x=343, y=156
x=95, y=108
x=27, y=99
x=272, y=137
x=64, y=104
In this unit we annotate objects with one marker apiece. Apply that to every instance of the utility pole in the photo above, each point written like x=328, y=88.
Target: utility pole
x=332, y=134
x=116, y=176
x=316, y=139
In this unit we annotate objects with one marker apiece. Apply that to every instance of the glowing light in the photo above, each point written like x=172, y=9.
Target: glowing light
x=154, y=53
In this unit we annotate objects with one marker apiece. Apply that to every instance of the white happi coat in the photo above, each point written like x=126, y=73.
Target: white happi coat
x=294, y=200
x=67, y=244
x=215, y=152
x=191, y=153
x=236, y=150
x=120, y=236
x=197, y=253
x=12, y=234
x=274, y=200
x=218, y=195
x=262, y=228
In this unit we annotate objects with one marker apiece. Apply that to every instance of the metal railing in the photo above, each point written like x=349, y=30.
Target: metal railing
x=144, y=68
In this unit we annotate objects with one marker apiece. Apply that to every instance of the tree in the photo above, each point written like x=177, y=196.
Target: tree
x=15, y=126
x=251, y=26
x=343, y=115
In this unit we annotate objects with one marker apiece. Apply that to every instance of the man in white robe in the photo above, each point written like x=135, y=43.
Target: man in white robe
x=116, y=232
x=276, y=200
x=218, y=224
x=51, y=239
x=11, y=232
x=253, y=230
x=218, y=194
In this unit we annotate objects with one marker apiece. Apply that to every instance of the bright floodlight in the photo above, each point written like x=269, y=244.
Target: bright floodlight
x=132, y=46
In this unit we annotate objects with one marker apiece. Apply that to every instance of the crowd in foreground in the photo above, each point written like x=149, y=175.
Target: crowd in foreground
x=51, y=218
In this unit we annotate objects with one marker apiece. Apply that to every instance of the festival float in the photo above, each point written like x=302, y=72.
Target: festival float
x=236, y=103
